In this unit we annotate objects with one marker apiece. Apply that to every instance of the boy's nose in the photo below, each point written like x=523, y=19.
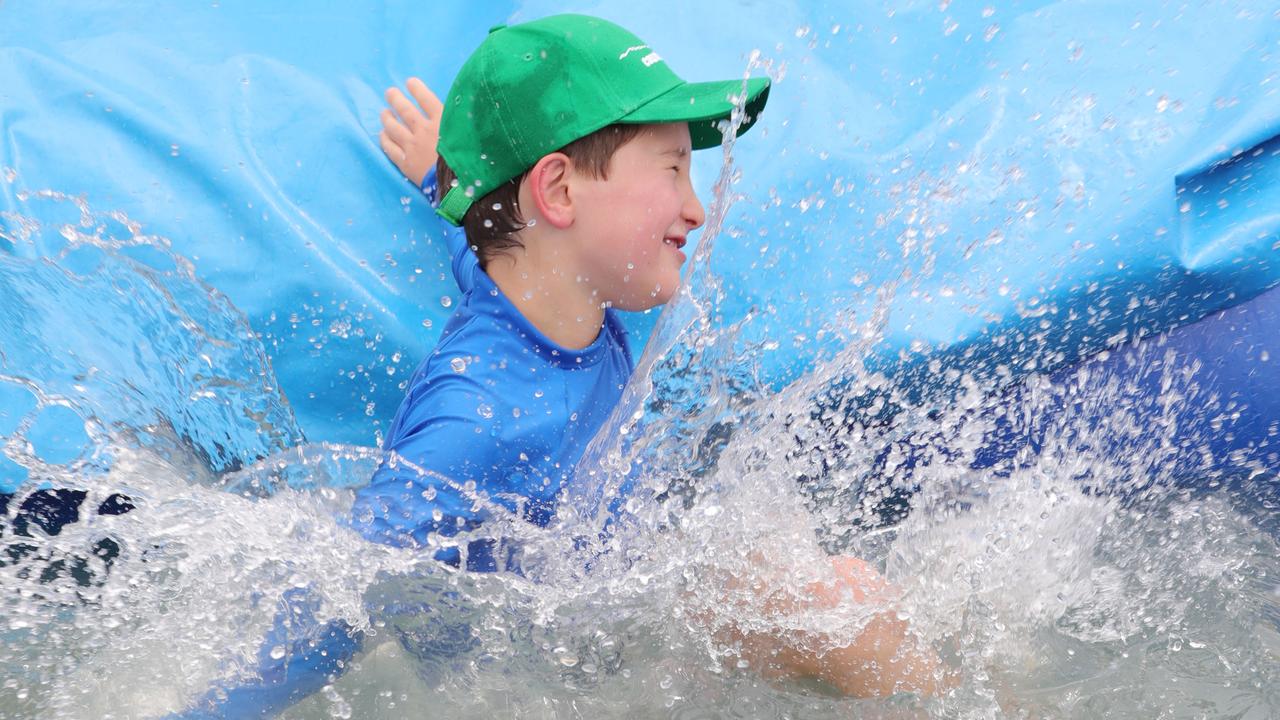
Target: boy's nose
x=694, y=214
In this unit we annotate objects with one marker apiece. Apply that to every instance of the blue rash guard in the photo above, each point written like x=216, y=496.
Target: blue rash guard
x=497, y=404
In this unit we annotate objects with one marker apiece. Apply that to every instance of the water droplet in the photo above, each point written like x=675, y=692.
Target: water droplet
x=564, y=656
x=277, y=652
x=458, y=364
x=446, y=301
x=485, y=411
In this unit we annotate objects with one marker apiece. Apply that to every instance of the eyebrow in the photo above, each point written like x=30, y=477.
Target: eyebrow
x=677, y=151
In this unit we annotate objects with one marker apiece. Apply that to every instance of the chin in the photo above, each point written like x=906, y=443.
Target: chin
x=648, y=301
x=663, y=296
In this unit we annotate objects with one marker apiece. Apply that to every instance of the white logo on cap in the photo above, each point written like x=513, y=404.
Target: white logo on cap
x=630, y=50
x=650, y=59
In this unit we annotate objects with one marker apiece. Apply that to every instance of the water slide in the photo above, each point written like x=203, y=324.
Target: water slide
x=1033, y=187
x=1025, y=162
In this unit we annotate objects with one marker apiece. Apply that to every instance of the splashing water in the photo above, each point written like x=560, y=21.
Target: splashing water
x=1072, y=576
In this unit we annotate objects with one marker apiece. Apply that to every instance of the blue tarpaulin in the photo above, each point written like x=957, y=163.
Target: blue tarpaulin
x=1024, y=162
x=1036, y=180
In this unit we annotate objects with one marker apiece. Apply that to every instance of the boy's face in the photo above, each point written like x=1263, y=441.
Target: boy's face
x=632, y=225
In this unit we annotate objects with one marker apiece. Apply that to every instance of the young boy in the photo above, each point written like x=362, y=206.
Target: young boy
x=564, y=153
x=564, y=150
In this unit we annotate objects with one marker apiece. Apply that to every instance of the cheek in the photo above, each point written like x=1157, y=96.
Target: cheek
x=636, y=237
x=648, y=211
x=617, y=256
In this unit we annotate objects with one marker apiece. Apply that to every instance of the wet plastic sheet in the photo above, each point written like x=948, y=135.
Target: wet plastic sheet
x=1107, y=168
x=1023, y=162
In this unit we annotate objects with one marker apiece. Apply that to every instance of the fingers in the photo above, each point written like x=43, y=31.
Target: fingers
x=393, y=151
x=410, y=128
x=426, y=99
x=393, y=129
x=407, y=111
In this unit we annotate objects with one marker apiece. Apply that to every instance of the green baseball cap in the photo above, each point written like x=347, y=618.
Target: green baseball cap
x=530, y=89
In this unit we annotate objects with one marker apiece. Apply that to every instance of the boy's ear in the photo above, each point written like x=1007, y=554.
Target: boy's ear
x=549, y=189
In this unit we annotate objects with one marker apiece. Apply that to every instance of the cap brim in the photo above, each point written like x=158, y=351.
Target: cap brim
x=704, y=106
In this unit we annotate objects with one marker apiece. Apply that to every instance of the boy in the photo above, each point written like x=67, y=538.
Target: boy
x=564, y=150
x=564, y=153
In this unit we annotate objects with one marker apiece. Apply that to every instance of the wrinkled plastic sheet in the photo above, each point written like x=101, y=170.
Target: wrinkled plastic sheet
x=1107, y=168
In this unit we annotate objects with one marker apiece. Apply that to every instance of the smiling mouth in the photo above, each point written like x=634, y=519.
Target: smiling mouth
x=678, y=242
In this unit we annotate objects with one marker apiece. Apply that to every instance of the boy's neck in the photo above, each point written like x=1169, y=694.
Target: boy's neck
x=549, y=293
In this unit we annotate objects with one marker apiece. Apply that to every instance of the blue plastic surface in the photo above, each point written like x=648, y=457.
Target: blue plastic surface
x=1227, y=419
x=1012, y=156
x=1107, y=168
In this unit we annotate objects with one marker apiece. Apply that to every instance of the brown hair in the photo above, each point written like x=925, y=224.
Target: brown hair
x=493, y=221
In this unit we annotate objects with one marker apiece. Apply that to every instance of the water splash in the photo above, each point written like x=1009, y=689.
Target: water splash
x=1067, y=574
x=108, y=321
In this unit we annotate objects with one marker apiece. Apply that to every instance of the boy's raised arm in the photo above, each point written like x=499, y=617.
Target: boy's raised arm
x=411, y=131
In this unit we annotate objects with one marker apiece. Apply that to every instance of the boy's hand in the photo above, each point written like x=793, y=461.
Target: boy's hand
x=409, y=134
x=886, y=658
